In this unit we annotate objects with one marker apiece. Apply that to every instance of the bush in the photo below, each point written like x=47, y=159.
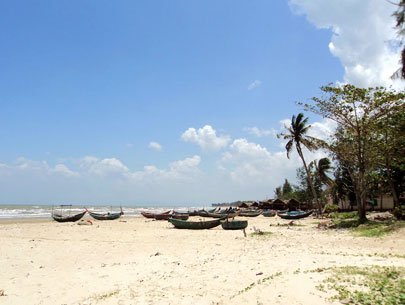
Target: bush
x=399, y=213
x=330, y=208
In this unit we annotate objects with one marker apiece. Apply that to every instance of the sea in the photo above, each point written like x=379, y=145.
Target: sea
x=12, y=211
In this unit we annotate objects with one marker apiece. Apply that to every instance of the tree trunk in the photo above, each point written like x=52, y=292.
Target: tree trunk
x=361, y=198
x=394, y=192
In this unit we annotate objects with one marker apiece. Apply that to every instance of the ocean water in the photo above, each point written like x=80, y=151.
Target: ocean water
x=45, y=211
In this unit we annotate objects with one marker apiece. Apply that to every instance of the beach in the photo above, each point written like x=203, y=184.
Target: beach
x=135, y=260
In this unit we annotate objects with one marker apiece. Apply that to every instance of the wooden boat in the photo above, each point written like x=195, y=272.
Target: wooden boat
x=68, y=218
x=234, y=224
x=182, y=216
x=152, y=215
x=106, y=216
x=193, y=213
x=269, y=213
x=226, y=214
x=163, y=216
x=250, y=213
x=194, y=225
x=294, y=214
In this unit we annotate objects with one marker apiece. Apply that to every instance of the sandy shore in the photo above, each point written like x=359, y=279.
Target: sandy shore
x=141, y=261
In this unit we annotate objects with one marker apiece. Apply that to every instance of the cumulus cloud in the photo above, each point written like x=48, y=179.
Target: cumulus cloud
x=323, y=129
x=251, y=165
x=260, y=132
x=363, y=32
x=206, y=137
x=64, y=170
x=22, y=165
x=254, y=85
x=103, y=167
x=155, y=146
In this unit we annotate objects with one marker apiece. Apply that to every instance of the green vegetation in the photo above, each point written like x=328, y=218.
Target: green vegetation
x=330, y=208
x=261, y=233
x=259, y=282
x=374, y=285
x=349, y=220
x=106, y=295
x=365, y=148
x=344, y=215
x=378, y=229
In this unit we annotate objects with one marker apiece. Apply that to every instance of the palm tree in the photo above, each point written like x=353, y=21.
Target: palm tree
x=322, y=169
x=297, y=136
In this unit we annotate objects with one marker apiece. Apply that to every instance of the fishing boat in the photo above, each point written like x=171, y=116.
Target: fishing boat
x=234, y=224
x=106, y=216
x=152, y=215
x=66, y=217
x=194, y=225
x=250, y=213
x=179, y=215
x=163, y=216
x=229, y=213
x=294, y=214
x=269, y=213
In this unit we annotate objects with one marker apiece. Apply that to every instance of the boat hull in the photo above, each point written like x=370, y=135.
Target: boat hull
x=194, y=225
x=234, y=225
x=289, y=215
x=73, y=218
x=105, y=216
x=269, y=213
x=250, y=213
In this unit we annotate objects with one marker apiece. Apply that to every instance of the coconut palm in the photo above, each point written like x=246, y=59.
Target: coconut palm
x=322, y=168
x=296, y=135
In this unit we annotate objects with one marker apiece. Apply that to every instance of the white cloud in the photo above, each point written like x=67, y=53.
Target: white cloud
x=253, y=166
x=248, y=163
x=206, y=138
x=185, y=165
x=155, y=146
x=103, y=167
x=260, y=132
x=322, y=130
x=254, y=84
x=362, y=36
x=64, y=170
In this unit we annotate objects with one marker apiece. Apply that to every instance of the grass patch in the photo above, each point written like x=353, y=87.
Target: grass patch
x=259, y=282
x=374, y=285
x=378, y=229
x=343, y=215
x=261, y=234
x=345, y=223
x=104, y=296
x=370, y=228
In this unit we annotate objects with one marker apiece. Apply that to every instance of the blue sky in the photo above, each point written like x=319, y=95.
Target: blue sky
x=150, y=102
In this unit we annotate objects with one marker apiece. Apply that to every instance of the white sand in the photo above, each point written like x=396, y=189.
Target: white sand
x=143, y=261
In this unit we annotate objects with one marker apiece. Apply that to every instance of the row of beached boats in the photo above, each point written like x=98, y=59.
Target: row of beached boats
x=63, y=216
x=225, y=217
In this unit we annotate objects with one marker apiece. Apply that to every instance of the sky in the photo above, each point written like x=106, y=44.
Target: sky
x=172, y=102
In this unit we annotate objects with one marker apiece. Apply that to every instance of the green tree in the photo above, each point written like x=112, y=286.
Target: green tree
x=278, y=192
x=296, y=135
x=390, y=144
x=356, y=112
x=320, y=170
x=287, y=189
